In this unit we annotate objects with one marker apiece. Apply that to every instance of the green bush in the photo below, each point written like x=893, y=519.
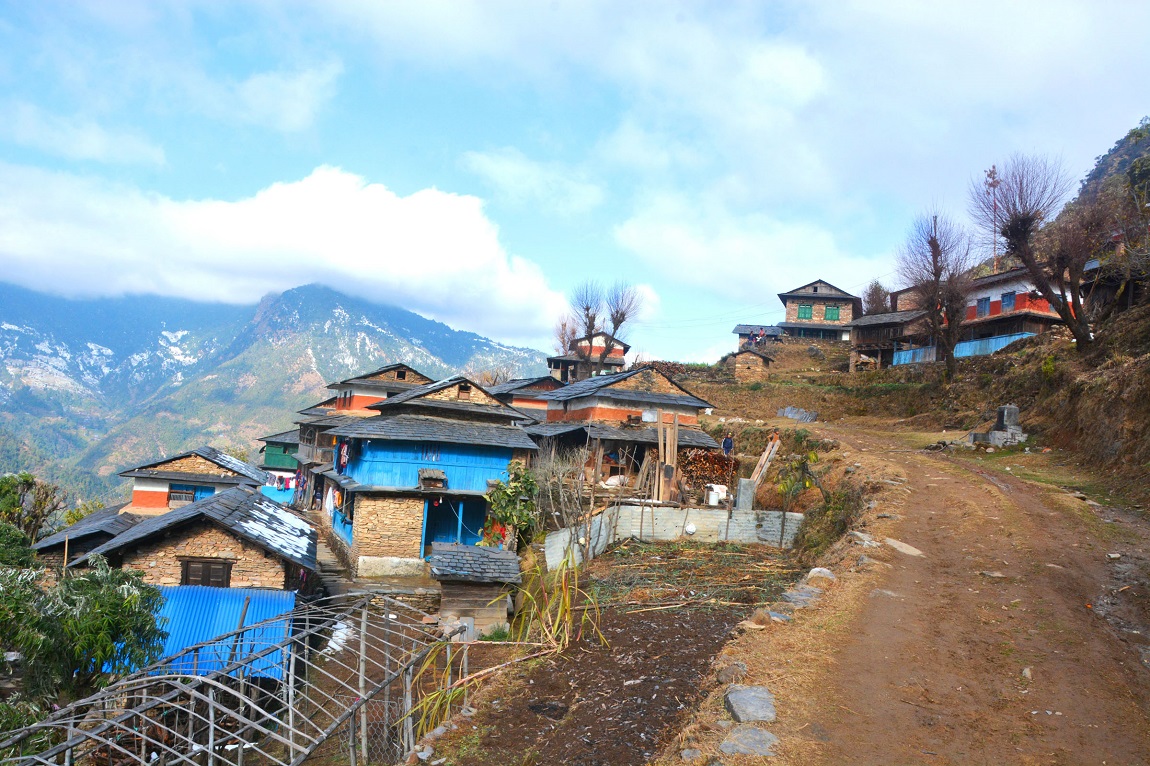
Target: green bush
x=824, y=525
x=497, y=633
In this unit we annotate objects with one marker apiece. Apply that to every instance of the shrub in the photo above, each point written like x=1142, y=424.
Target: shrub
x=824, y=525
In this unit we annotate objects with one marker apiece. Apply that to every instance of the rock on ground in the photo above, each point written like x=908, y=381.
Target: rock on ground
x=902, y=547
x=750, y=703
x=749, y=740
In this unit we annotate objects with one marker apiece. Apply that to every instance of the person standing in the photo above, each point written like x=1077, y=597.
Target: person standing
x=729, y=444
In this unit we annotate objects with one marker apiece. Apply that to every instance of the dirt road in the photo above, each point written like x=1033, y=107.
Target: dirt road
x=1010, y=641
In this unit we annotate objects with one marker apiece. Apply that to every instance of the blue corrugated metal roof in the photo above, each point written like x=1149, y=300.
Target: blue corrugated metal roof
x=197, y=613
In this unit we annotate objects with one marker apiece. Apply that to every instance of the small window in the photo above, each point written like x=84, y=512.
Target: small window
x=464, y=391
x=1008, y=301
x=982, y=307
x=430, y=453
x=815, y=289
x=401, y=374
x=805, y=311
x=215, y=573
x=831, y=313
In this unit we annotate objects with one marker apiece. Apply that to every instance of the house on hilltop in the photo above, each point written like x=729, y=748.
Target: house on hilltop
x=819, y=310
x=280, y=464
x=74, y=542
x=364, y=390
x=875, y=338
x=416, y=473
x=237, y=538
x=185, y=478
x=586, y=358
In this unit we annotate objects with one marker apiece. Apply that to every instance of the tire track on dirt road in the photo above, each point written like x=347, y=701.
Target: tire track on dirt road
x=985, y=651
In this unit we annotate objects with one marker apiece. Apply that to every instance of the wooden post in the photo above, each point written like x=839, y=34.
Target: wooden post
x=351, y=744
x=447, y=714
x=211, y=726
x=291, y=697
x=363, y=685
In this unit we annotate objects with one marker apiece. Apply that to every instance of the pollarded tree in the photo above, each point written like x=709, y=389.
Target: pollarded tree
x=935, y=263
x=1031, y=189
x=594, y=310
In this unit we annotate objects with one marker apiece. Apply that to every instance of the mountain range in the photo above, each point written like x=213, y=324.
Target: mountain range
x=89, y=387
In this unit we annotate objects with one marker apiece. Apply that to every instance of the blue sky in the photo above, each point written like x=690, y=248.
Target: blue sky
x=473, y=161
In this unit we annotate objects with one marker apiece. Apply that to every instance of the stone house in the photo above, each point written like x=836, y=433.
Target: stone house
x=90, y=532
x=749, y=365
x=237, y=538
x=353, y=398
x=819, y=310
x=185, y=478
x=617, y=415
x=524, y=394
x=586, y=358
x=416, y=474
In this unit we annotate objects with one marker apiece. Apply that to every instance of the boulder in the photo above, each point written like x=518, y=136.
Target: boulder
x=749, y=740
x=820, y=575
x=749, y=703
x=732, y=674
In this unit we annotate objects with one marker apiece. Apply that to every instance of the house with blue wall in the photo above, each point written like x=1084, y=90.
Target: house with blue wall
x=416, y=474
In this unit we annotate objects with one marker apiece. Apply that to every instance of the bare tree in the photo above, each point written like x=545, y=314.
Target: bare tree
x=493, y=375
x=876, y=299
x=598, y=310
x=30, y=504
x=565, y=334
x=1031, y=188
x=935, y=263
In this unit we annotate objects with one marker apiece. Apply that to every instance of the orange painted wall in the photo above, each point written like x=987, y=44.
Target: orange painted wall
x=149, y=499
x=356, y=402
x=610, y=414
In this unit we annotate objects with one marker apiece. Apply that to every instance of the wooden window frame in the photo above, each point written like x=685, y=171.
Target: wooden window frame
x=827, y=313
x=806, y=309
x=401, y=374
x=226, y=563
x=463, y=392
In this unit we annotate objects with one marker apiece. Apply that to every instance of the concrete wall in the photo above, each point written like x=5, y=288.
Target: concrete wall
x=661, y=523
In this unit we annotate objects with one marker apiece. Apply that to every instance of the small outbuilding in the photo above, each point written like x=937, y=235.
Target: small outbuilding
x=749, y=365
x=477, y=583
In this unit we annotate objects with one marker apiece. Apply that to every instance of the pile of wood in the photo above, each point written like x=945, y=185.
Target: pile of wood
x=701, y=467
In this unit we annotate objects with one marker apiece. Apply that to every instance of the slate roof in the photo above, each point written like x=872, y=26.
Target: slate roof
x=600, y=385
x=108, y=521
x=616, y=361
x=386, y=368
x=473, y=563
x=756, y=352
x=247, y=470
x=328, y=421
x=414, y=397
x=408, y=427
x=688, y=437
x=891, y=317
x=284, y=437
x=746, y=329
x=243, y=511
x=799, y=292
x=514, y=385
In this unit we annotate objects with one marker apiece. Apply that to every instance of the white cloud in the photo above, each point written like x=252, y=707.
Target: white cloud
x=74, y=138
x=744, y=258
x=520, y=180
x=432, y=252
x=286, y=101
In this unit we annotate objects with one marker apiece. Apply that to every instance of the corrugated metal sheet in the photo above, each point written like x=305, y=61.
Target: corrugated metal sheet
x=196, y=613
x=914, y=355
x=987, y=345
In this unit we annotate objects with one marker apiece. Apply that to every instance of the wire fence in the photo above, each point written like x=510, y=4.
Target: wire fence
x=336, y=681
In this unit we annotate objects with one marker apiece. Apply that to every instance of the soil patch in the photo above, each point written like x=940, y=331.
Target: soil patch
x=668, y=610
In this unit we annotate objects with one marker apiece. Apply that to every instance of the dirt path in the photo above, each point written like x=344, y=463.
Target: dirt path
x=933, y=670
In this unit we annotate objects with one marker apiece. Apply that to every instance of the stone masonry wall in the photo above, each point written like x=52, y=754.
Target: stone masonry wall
x=160, y=560
x=195, y=464
x=818, y=307
x=412, y=377
x=387, y=526
x=749, y=367
x=451, y=394
x=648, y=381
